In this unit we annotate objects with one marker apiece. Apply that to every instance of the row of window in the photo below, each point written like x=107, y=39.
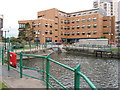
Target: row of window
x=78, y=33
x=78, y=20
x=78, y=27
x=77, y=14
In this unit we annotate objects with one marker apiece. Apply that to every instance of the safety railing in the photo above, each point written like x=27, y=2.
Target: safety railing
x=46, y=72
x=83, y=46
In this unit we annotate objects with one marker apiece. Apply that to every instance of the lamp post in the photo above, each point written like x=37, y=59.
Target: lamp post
x=5, y=37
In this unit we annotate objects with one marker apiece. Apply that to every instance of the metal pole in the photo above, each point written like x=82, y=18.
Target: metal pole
x=8, y=57
x=21, y=64
x=77, y=78
x=2, y=55
x=47, y=71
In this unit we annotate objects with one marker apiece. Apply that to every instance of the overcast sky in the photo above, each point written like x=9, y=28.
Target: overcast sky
x=14, y=10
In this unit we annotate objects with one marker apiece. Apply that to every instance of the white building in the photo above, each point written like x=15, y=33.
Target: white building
x=111, y=7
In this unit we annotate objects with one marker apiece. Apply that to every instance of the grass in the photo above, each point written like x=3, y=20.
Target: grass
x=3, y=85
x=115, y=49
x=25, y=48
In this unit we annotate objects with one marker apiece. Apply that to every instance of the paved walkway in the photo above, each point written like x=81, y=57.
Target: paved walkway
x=12, y=80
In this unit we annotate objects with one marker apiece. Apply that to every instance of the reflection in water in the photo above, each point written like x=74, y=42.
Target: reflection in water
x=102, y=72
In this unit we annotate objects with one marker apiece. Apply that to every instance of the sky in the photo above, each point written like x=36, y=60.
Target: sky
x=15, y=10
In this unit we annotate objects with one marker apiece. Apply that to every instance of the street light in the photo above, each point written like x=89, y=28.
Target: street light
x=5, y=37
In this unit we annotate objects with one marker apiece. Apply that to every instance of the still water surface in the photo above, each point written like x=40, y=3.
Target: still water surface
x=103, y=72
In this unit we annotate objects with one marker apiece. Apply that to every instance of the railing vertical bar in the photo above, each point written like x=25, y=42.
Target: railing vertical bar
x=77, y=78
x=47, y=71
x=43, y=69
x=2, y=55
x=21, y=65
x=8, y=57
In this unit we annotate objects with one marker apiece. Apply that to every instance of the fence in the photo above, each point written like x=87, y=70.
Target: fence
x=83, y=46
x=45, y=70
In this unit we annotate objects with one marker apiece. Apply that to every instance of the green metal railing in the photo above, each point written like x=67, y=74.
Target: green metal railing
x=46, y=73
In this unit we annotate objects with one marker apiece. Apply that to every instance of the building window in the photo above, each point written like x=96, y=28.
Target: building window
x=56, y=17
x=46, y=25
x=95, y=32
x=48, y=39
x=55, y=40
x=65, y=22
x=105, y=33
x=65, y=28
x=61, y=27
x=21, y=26
x=95, y=25
x=50, y=25
x=89, y=19
x=73, y=33
x=95, y=19
x=89, y=32
x=68, y=34
x=38, y=31
x=38, y=24
x=78, y=20
x=62, y=21
x=56, y=29
x=65, y=34
x=106, y=26
x=106, y=19
x=73, y=21
x=83, y=33
x=83, y=20
x=46, y=32
x=51, y=32
x=73, y=27
x=56, y=36
x=56, y=23
x=83, y=26
x=68, y=27
x=78, y=27
x=89, y=26
x=78, y=33
x=61, y=33
x=68, y=22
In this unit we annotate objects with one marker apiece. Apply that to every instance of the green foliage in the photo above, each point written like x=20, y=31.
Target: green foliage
x=27, y=34
x=103, y=37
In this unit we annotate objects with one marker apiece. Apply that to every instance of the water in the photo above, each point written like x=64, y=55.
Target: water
x=103, y=72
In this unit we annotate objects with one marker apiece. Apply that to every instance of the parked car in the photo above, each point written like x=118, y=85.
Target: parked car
x=58, y=43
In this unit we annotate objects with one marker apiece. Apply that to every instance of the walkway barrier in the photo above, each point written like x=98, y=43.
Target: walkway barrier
x=86, y=46
x=45, y=70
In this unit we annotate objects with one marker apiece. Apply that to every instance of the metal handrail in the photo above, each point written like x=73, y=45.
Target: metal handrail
x=47, y=72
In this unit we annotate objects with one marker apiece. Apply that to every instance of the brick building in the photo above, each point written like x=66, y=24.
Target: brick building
x=54, y=25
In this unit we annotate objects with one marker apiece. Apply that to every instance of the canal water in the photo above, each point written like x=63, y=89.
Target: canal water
x=103, y=72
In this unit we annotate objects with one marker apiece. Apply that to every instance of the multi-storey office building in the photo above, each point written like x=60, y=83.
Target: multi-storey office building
x=1, y=26
x=54, y=25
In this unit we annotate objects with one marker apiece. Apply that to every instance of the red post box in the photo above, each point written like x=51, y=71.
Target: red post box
x=13, y=59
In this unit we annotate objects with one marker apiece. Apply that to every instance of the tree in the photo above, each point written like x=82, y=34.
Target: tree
x=27, y=34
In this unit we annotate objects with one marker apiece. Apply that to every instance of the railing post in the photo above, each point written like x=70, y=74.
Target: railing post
x=2, y=55
x=77, y=78
x=21, y=64
x=43, y=69
x=47, y=71
x=8, y=57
